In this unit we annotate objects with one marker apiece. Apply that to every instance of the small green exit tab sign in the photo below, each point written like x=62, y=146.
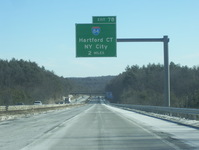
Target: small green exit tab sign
x=96, y=40
x=104, y=19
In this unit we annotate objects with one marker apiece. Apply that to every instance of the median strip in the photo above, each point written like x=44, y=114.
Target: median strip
x=14, y=112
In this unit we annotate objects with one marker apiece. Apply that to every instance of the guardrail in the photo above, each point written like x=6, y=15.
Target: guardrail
x=171, y=111
x=31, y=107
x=78, y=101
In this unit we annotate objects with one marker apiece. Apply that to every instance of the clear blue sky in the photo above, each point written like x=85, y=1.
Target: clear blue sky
x=43, y=31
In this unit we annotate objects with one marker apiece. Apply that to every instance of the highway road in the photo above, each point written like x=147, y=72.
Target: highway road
x=94, y=126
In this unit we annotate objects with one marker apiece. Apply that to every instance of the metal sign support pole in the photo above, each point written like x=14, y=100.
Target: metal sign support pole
x=166, y=72
x=165, y=41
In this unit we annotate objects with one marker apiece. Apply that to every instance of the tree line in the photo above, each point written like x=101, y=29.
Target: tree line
x=145, y=85
x=26, y=82
x=90, y=84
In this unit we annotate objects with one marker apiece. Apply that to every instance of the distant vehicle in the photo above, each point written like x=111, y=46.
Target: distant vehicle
x=67, y=100
x=20, y=103
x=37, y=103
x=62, y=102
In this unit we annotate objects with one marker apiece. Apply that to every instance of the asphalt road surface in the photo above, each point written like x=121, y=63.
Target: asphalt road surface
x=91, y=127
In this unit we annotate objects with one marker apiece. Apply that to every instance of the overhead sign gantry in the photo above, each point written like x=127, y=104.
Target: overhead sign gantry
x=99, y=40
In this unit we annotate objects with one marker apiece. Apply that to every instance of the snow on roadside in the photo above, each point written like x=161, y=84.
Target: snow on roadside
x=186, y=134
x=193, y=123
x=28, y=113
x=15, y=116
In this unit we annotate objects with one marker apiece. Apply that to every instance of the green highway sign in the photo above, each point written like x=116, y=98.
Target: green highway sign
x=104, y=19
x=96, y=40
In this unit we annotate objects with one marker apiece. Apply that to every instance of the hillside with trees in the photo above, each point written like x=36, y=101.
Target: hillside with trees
x=26, y=82
x=145, y=86
x=90, y=84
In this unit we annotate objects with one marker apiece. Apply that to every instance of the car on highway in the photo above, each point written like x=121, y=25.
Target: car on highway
x=37, y=103
x=20, y=103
